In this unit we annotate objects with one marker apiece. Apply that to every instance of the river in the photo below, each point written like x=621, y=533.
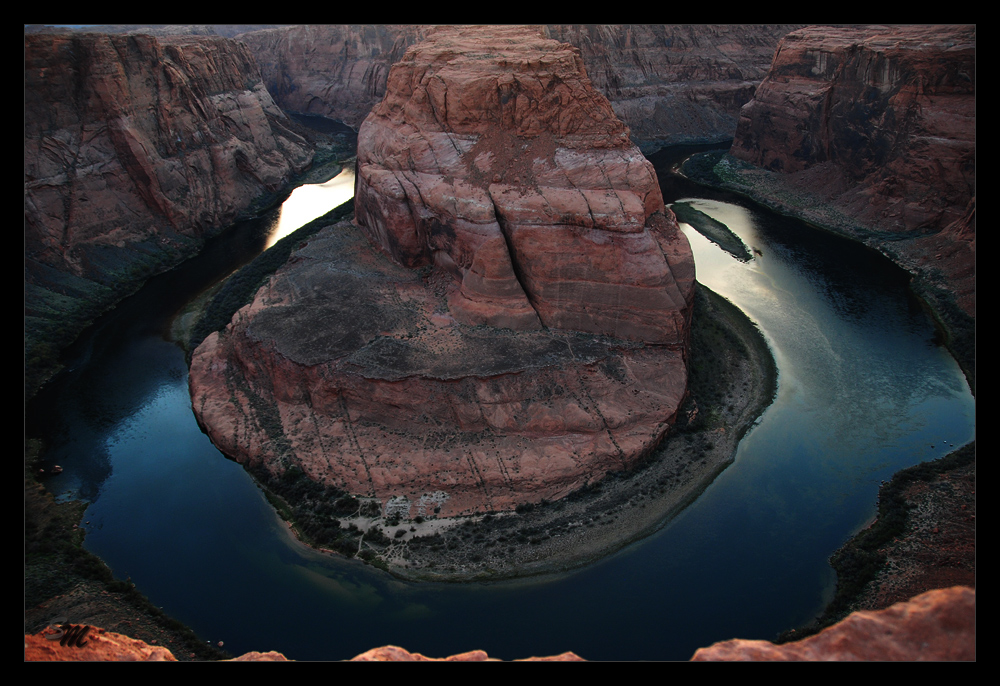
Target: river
x=863, y=391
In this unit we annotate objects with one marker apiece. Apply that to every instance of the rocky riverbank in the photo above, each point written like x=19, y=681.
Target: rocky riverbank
x=870, y=132
x=733, y=379
x=923, y=538
x=943, y=268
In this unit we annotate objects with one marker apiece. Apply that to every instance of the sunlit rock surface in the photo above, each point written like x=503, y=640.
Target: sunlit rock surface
x=935, y=626
x=512, y=328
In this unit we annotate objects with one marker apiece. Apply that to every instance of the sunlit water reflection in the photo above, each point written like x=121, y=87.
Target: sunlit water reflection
x=311, y=201
x=863, y=391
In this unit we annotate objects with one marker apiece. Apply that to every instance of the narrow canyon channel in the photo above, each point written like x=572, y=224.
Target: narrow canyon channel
x=864, y=390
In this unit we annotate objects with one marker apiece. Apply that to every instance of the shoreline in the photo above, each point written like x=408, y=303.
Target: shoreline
x=732, y=381
x=909, y=251
x=923, y=536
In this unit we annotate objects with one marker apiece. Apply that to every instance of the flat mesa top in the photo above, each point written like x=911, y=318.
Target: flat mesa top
x=343, y=300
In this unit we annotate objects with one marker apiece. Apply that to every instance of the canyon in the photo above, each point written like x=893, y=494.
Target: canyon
x=139, y=147
x=527, y=334
x=871, y=132
x=669, y=83
x=135, y=150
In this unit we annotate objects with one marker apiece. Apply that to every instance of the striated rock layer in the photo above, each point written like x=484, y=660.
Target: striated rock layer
x=935, y=626
x=512, y=328
x=676, y=83
x=493, y=157
x=130, y=137
x=884, y=116
x=670, y=83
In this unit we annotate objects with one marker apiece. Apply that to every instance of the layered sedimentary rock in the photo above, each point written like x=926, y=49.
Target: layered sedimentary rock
x=886, y=114
x=130, y=137
x=875, y=127
x=935, y=626
x=670, y=83
x=513, y=326
x=505, y=167
x=676, y=83
x=337, y=71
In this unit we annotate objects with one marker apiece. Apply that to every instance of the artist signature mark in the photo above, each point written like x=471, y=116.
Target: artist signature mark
x=72, y=635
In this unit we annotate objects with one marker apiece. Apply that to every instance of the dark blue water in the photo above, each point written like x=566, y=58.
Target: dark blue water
x=863, y=391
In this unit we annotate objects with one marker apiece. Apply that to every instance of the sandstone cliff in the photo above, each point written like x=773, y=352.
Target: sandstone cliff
x=517, y=178
x=135, y=149
x=670, y=83
x=871, y=131
x=337, y=71
x=676, y=83
x=891, y=108
x=454, y=378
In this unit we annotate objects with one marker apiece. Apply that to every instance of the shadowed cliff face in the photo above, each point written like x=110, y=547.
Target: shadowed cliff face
x=135, y=150
x=889, y=110
x=438, y=366
x=127, y=137
x=669, y=83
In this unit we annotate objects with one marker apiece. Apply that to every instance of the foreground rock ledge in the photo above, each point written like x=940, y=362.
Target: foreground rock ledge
x=937, y=625
x=934, y=626
x=512, y=328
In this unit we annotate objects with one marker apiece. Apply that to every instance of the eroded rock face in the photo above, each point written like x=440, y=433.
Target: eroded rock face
x=889, y=110
x=494, y=157
x=353, y=368
x=676, y=83
x=670, y=83
x=512, y=327
x=337, y=71
x=130, y=139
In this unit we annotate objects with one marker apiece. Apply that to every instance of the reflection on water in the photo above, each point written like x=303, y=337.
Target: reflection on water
x=311, y=201
x=851, y=359
x=863, y=391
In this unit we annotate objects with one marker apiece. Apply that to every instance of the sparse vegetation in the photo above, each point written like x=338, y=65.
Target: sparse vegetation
x=56, y=564
x=859, y=561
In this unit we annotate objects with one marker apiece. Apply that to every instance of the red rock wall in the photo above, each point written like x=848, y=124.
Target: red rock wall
x=494, y=167
x=130, y=137
x=889, y=110
x=670, y=83
x=337, y=71
x=493, y=156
